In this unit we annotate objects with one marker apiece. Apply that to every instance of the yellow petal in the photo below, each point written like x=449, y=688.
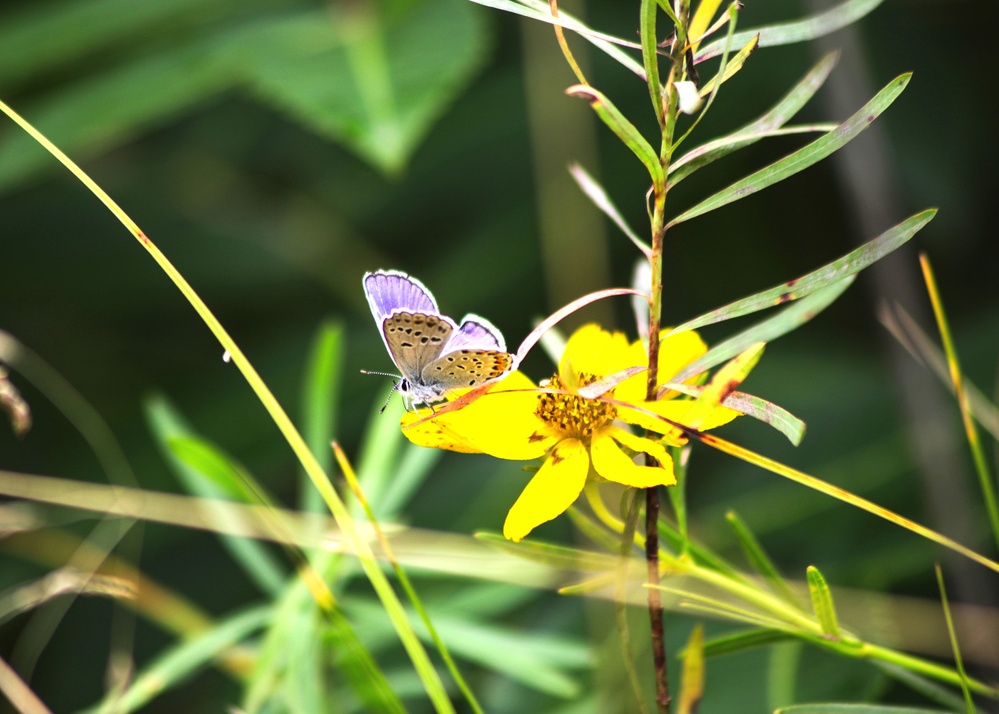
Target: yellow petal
x=592, y=350
x=675, y=353
x=552, y=490
x=615, y=465
x=500, y=423
x=675, y=410
x=644, y=445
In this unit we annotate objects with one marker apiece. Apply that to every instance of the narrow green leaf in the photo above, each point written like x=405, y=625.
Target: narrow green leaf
x=759, y=559
x=822, y=603
x=537, y=660
x=622, y=128
x=767, y=125
x=954, y=644
x=745, y=640
x=804, y=157
x=170, y=429
x=650, y=55
x=701, y=555
x=785, y=321
x=360, y=669
x=803, y=30
x=378, y=461
x=320, y=400
x=851, y=263
x=184, y=659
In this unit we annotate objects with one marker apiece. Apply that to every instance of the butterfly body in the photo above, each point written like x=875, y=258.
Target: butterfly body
x=433, y=354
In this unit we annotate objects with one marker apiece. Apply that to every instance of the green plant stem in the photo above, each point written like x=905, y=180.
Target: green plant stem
x=667, y=121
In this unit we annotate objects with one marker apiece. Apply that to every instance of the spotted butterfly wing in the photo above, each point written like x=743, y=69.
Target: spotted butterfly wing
x=433, y=354
x=415, y=340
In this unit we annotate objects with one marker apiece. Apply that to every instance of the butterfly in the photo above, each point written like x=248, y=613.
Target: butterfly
x=433, y=354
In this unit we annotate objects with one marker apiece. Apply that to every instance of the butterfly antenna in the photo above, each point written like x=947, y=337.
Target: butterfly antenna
x=394, y=386
x=385, y=405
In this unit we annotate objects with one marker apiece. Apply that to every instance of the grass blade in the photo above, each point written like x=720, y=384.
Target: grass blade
x=206, y=473
x=184, y=659
x=971, y=432
x=358, y=545
x=759, y=559
x=958, y=662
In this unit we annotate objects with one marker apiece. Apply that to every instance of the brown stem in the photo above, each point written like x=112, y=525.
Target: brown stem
x=655, y=601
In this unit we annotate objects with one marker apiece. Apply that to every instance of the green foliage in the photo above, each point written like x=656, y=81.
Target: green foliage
x=311, y=614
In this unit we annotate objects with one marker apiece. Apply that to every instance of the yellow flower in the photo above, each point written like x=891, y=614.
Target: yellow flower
x=579, y=437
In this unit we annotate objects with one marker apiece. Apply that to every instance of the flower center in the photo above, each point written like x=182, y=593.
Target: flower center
x=573, y=415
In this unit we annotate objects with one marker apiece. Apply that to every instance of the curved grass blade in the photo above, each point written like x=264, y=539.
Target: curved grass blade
x=911, y=336
x=851, y=263
x=648, y=13
x=759, y=559
x=359, y=546
x=184, y=659
x=767, y=125
x=838, y=493
x=803, y=157
x=971, y=432
x=958, y=661
x=204, y=472
x=407, y=586
x=798, y=31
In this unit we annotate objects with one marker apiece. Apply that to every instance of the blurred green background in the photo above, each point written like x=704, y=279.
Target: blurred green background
x=275, y=150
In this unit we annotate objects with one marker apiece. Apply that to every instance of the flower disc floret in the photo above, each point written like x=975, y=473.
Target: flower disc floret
x=570, y=414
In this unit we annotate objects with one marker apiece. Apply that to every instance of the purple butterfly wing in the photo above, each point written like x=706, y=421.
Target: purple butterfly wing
x=476, y=333
x=390, y=291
